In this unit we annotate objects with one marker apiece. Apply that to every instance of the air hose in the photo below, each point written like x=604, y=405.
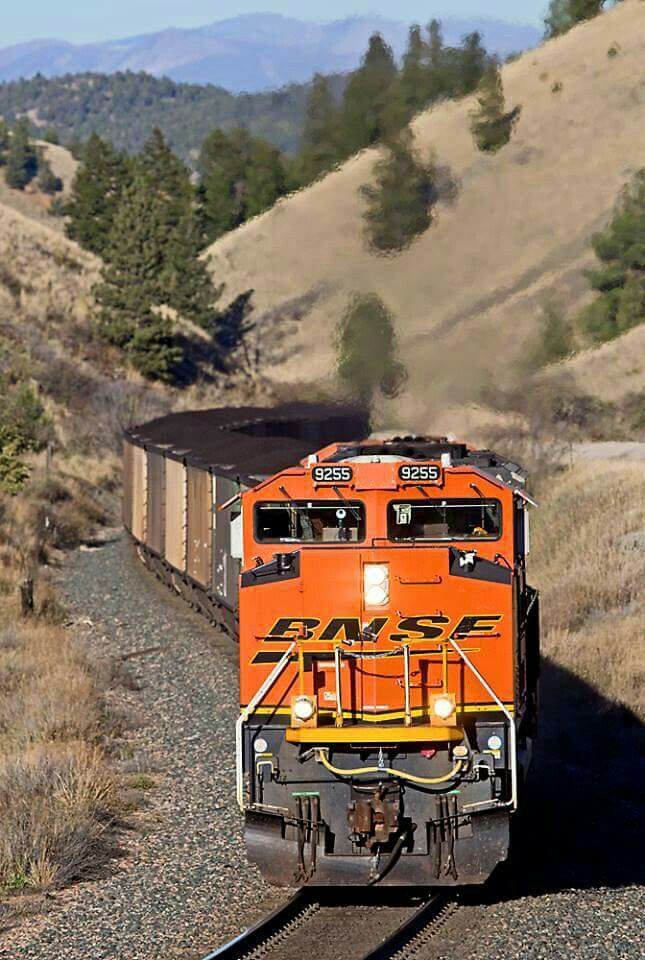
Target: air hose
x=323, y=755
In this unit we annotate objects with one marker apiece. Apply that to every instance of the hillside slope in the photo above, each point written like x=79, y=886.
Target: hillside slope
x=467, y=295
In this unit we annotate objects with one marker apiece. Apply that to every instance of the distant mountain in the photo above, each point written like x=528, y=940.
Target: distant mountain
x=247, y=53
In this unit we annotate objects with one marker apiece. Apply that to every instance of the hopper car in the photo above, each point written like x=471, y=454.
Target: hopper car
x=388, y=638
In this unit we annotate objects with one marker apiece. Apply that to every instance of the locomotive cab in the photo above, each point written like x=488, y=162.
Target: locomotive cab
x=389, y=664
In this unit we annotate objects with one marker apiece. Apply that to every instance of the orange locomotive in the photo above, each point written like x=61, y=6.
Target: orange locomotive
x=389, y=650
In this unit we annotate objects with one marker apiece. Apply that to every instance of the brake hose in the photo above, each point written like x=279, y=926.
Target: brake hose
x=357, y=771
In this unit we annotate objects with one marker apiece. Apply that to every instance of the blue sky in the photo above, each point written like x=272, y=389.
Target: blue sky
x=81, y=21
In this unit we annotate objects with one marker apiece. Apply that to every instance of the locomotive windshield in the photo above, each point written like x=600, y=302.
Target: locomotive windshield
x=445, y=520
x=307, y=521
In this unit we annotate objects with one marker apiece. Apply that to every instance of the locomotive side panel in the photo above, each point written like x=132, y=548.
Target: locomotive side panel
x=175, y=520
x=200, y=526
x=155, y=507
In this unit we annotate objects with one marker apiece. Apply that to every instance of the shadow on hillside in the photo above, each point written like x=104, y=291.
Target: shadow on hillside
x=580, y=824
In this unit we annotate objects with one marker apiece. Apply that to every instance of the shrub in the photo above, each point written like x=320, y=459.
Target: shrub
x=366, y=345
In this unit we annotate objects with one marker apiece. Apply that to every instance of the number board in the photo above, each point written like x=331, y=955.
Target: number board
x=337, y=474
x=420, y=473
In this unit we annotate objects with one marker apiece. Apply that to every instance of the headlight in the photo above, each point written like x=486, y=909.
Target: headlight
x=444, y=706
x=303, y=709
x=376, y=584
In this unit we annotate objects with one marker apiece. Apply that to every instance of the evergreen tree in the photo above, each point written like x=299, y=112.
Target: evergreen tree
x=564, y=14
x=131, y=286
x=473, y=63
x=369, y=111
x=620, y=281
x=48, y=182
x=399, y=203
x=221, y=172
x=184, y=283
x=4, y=142
x=96, y=193
x=413, y=84
x=367, y=351
x=491, y=127
x=22, y=159
x=265, y=177
x=436, y=82
x=320, y=150
x=240, y=177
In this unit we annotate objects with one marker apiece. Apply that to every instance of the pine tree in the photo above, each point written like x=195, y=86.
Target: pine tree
x=473, y=64
x=96, y=193
x=564, y=14
x=4, y=142
x=184, y=283
x=241, y=176
x=48, y=182
x=369, y=105
x=400, y=201
x=367, y=351
x=22, y=159
x=436, y=72
x=131, y=286
x=221, y=171
x=413, y=84
x=491, y=127
x=265, y=177
x=320, y=146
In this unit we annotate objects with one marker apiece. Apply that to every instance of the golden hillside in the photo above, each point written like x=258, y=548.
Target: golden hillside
x=467, y=295
x=31, y=202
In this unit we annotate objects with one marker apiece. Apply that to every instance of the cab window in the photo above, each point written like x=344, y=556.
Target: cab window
x=310, y=521
x=445, y=520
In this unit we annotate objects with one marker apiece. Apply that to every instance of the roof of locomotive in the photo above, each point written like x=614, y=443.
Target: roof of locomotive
x=250, y=443
x=432, y=448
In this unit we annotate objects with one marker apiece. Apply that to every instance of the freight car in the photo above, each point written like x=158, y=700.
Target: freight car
x=389, y=641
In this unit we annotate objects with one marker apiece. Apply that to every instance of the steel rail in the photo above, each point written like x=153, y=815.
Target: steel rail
x=264, y=931
x=260, y=939
x=396, y=944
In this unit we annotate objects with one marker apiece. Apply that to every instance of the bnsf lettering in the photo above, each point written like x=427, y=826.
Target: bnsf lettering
x=350, y=629
x=332, y=474
x=423, y=628
x=292, y=628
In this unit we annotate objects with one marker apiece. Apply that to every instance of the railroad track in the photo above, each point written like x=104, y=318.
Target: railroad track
x=271, y=937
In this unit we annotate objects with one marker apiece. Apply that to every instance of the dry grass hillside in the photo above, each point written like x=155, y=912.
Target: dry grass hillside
x=468, y=294
x=31, y=202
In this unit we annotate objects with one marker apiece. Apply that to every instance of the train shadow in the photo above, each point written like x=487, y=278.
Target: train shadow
x=580, y=821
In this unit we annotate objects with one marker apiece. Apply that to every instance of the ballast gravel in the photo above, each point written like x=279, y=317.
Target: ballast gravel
x=184, y=886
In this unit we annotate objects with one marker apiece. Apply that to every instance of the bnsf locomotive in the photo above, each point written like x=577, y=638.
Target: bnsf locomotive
x=389, y=641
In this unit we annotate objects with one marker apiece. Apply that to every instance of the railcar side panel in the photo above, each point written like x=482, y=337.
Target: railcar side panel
x=155, y=512
x=175, y=520
x=139, y=493
x=200, y=526
x=128, y=470
x=226, y=568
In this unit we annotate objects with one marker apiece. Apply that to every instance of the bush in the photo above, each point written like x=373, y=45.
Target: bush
x=620, y=279
x=366, y=345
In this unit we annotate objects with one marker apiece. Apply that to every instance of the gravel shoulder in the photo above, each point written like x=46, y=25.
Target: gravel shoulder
x=184, y=885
